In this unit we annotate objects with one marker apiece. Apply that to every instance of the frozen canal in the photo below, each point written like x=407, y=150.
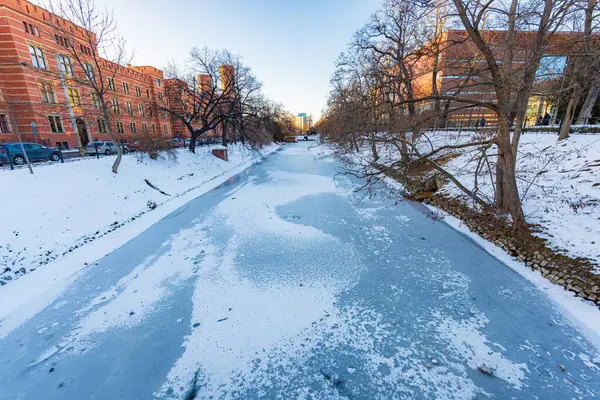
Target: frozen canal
x=278, y=285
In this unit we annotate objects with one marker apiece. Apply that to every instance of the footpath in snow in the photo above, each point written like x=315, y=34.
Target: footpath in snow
x=64, y=207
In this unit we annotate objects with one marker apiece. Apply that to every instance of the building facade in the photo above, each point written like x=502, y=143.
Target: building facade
x=463, y=72
x=304, y=122
x=34, y=101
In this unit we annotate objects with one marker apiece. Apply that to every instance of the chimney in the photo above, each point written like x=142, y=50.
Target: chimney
x=227, y=77
x=205, y=82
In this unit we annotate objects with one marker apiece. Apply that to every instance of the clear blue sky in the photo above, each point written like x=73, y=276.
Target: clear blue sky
x=290, y=45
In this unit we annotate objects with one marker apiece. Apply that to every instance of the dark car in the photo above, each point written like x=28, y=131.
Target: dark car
x=178, y=142
x=35, y=152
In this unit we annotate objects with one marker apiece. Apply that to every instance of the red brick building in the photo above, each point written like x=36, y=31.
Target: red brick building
x=29, y=49
x=463, y=72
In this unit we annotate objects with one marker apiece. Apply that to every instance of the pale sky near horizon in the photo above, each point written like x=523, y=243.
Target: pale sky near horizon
x=290, y=45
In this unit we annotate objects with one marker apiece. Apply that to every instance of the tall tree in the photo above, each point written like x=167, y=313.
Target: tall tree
x=212, y=91
x=92, y=56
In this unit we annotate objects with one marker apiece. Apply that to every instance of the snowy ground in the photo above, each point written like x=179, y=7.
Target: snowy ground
x=63, y=207
x=558, y=181
x=278, y=284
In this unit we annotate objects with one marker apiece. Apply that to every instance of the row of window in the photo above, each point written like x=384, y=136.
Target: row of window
x=31, y=29
x=129, y=108
x=133, y=127
x=138, y=90
x=64, y=64
x=49, y=97
x=60, y=40
x=56, y=125
x=85, y=50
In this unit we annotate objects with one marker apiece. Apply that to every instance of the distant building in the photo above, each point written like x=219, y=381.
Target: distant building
x=304, y=122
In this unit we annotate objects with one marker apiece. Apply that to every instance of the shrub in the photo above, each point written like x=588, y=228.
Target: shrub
x=156, y=146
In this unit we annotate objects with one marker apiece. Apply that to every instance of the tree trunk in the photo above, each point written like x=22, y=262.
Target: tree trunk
x=444, y=121
x=115, y=166
x=507, y=191
x=588, y=105
x=404, y=147
x=568, y=120
x=192, y=146
x=374, y=150
x=224, y=135
x=107, y=119
x=500, y=180
x=512, y=201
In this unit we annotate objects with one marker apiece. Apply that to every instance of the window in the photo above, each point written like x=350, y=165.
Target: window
x=55, y=124
x=166, y=129
x=160, y=96
x=89, y=71
x=129, y=108
x=120, y=127
x=550, y=67
x=158, y=82
x=141, y=110
x=95, y=100
x=64, y=64
x=148, y=93
x=150, y=112
x=31, y=29
x=138, y=91
x=37, y=57
x=102, y=125
x=111, y=83
x=85, y=50
x=4, y=126
x=62, y=145
x=133, y=127
x=144, y=127
x=115, y=106
x=60, y=40
x=74, y=98
x=47, y=93
x=154, y=129
x=125, y=88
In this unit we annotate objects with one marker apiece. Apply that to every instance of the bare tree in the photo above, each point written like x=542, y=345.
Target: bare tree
x=212, y=92
x=13, y=108
x=495, y=59
x=94, y=54
x=587, y=70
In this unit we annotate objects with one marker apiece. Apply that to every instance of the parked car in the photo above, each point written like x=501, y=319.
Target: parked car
x=35, y=152
x=178, y=142
x=133, y=146
x=106, y=148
